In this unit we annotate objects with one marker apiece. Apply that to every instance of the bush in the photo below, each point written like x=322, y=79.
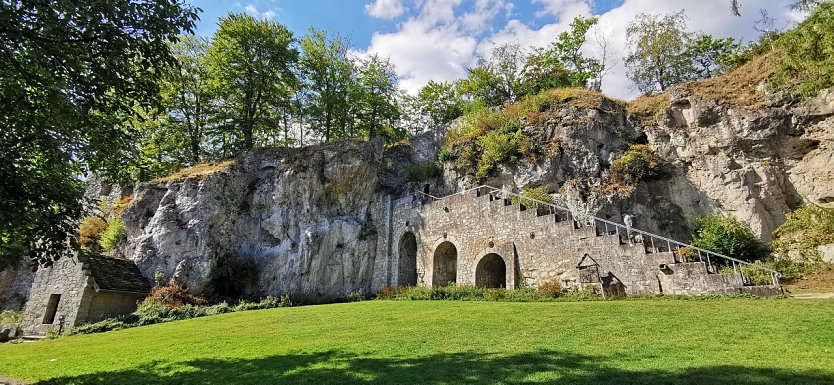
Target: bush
x=639, y=163
x=804, y=230
x=421, y=171
x=496, y=148
x=174, y=296
x=547, y=292
x=113, y=235
x=727, y=235
x=91, y=230
x=550, y=288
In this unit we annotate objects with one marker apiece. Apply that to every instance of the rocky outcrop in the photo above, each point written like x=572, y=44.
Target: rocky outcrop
x=276, y=221
x=755, y=163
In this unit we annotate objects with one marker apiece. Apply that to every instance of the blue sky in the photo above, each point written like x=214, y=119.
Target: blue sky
x=348, y=17
x=437, y=39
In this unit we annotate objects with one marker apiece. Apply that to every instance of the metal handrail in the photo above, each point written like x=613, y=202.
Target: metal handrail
x=736, y=263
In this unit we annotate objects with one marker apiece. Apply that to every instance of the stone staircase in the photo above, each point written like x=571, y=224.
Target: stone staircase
x=668, y=254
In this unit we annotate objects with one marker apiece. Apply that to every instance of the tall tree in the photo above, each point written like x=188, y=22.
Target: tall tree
x=70, y=73
x=187, y=93
x=329, y=77
x=563, y=63
x=251, y=62
x=377, y=102
x=498, y=78
x=656, y=58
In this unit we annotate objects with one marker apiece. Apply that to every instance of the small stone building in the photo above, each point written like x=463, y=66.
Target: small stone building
x=83, y=290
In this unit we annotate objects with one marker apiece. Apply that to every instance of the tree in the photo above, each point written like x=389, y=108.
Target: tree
x=187, y=93
x=562, y=64
x=70, y=73
x=440, y=103
x=727, y=235
x=656, y=59
x=328, y=75
x=498, y=79
x=376, y=102
x=713, y=56
x=250, y=64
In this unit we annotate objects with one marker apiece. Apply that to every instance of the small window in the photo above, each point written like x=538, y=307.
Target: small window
x=51, y=309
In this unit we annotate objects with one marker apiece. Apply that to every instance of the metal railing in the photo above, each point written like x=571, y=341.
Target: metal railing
x=652, y=243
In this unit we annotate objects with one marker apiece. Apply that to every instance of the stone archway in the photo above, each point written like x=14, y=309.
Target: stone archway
x=491, y=272
x=407, y=263
x=445, y=267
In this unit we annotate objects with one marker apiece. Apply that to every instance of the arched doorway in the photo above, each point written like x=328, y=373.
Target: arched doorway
x=407, y=266
x=491, y=272
x=445, y=264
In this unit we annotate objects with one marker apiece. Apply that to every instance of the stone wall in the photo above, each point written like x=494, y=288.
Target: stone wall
x=80, y=302
x=66, y=278
x=534, y=248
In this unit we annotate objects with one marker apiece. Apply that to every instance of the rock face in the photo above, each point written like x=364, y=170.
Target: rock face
x=15, y=285
x=757, y=164
x=754, y=163
x=275, y=222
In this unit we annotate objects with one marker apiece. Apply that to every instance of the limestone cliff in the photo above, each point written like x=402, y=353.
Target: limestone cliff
x=275, y=221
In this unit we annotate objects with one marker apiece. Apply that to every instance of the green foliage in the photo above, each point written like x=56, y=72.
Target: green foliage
x=444, y=154
x=250, y=62
x=805, y=229
x=11, y=317
x=113, y=235
x=724, y=234
x=375, y=100
x=790, y=270
x=151, y=312
x=639, y=163
x=496, y=148
x=541, y=193
x=328, y=76
x=563, y=64
x=422, y=171
x=70, y=73
x=656, y=59
x=714, y=56
x=807, y=65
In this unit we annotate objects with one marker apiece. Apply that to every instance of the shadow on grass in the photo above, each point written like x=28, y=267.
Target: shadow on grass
x=459, y=368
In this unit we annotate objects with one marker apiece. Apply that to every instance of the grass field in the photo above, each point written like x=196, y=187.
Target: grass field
x=718, y=341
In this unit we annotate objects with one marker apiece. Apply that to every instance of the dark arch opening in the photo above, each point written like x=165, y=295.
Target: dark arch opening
x=491, y=272
x=407, y=274
x=445, y=264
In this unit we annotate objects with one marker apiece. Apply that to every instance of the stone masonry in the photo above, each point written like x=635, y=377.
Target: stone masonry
x=490, y=242
x=82, y=290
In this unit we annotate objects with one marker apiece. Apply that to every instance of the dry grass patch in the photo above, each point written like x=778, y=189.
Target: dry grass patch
x=741, y=87
x=648, y=107
x=197, y=171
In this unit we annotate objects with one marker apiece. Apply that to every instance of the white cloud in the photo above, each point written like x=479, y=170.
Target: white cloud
x=441, y=40
x=385, y=9
x=564, y=10
x=253, y=11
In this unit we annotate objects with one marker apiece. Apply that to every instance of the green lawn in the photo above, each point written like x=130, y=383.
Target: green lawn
x=738, y=341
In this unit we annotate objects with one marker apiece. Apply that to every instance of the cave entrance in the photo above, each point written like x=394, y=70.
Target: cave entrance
x=407, y=274
x=491, y=272
x=445, y=264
